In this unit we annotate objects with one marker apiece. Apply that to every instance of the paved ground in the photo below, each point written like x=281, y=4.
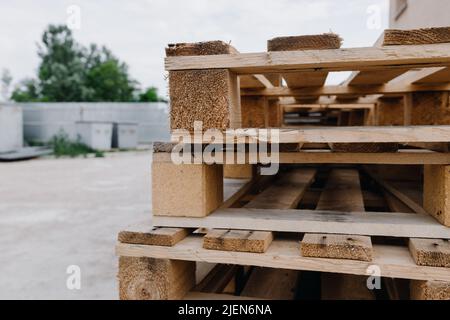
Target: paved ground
x=57, y=213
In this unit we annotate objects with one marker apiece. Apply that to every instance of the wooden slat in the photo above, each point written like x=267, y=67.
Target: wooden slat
x=407, y=192
x=394, y=261
x=237, y=240
x=335, y=135
x=341, y=193
x=414, y=56
x=392, y=89
x=145, y=233
x=269, y=283
x=217, y=279
x=374, y=77
x=315, y=221
x=426, y=252
x=284, y=193
x=409, y=157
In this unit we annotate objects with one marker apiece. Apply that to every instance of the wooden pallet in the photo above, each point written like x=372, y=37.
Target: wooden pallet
x=364, y=179
x=424, y=260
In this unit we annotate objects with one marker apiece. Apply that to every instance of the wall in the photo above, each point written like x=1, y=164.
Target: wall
x=11, y=131
x=43, y=120
x=420, y=14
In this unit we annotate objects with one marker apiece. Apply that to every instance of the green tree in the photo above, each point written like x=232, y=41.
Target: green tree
x=27, y=91
x=70, y=72
x=108, y=77
x=150, y=95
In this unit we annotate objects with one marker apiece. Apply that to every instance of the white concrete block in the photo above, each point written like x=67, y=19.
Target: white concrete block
x=97, y=135
x=125, y=135
x=11, y=128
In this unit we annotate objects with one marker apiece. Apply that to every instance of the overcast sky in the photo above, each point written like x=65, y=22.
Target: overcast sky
x=137, y=31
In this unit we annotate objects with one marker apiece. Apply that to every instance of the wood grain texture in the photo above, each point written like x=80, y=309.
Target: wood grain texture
x=237, y=240
x=394, y=261
x=273, y=284
x=342, y=192
x=367, y=134
x=430, y=252
x=285, y=193
x=416, y=36
x=430, y=290
x=413, y=56
x=142, y=278
x=316, y=221
x=186, y=190
x=437, y=192
x=145, y=233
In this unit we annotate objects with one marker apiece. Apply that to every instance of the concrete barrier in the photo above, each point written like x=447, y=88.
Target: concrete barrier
x=11, y=128
x=44, y=120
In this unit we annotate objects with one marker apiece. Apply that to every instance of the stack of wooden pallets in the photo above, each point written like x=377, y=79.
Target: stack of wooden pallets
x=360, y=207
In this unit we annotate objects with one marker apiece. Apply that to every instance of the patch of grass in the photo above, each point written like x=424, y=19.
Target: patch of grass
x=63, y=146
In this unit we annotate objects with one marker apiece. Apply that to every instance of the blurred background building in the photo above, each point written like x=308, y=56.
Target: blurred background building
x=410, y=14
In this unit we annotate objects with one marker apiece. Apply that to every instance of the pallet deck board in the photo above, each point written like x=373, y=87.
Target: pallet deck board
x=316, y=221
x=410, y=157
x=376, y=134
x=347, y=59
x=395, y=262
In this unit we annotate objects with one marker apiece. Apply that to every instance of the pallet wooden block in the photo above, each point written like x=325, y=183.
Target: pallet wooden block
x=211, y=96
x=337, y=247
x=430, y=290
x=238, y=240
x=432, y=253
x=154, y=279
x=436, y=191
x=187, y=190
x=312, y=42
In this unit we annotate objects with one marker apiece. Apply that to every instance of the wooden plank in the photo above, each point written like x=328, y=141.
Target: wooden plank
x=316, y=221
x=374, y=77
x=145, y=233
x=432, y=253
x=341, y=193
x=309, y=42
x=217, y=279
x=423, y=76
x=392, y=89
x=394, y=261
x=146, y=278
x=436, y=192
x=345, y=287
x=317, y=107
x=273, y=284
x=333, y=135
x=416, y=36
x=285, y=193
x=237, y=240
x=414, y=56
x=406, y=192
x=336, y=246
